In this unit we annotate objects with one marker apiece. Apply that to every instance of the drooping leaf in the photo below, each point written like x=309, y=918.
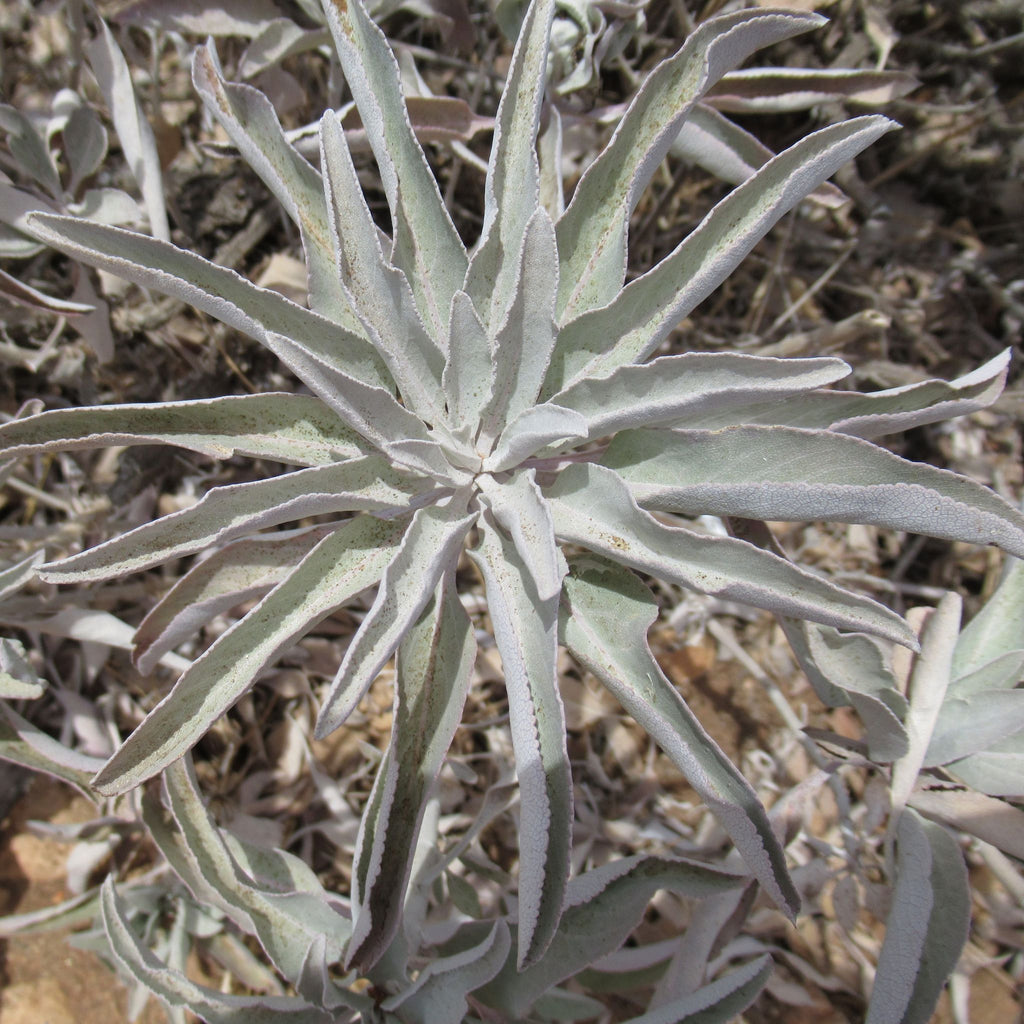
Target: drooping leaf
x=347, y=561
x=525, y=628
x=606, y=613
x=995, y=631
x=592, y=506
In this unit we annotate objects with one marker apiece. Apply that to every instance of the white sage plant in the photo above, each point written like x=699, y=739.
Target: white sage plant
x=511, y=403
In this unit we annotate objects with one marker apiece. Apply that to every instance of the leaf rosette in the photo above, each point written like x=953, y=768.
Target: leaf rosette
x=502, y=402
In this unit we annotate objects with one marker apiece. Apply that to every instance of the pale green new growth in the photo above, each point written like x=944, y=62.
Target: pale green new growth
x=497, y=402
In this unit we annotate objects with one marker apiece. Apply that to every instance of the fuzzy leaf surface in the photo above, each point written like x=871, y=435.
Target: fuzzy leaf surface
x=783, y=473
x=434, y=667
x=638, y=318
x=351, y=559
x=295, y=429
x=592, y=231
x=606, y=613
x=368, y=484
x=525, y=628
x=592, y=506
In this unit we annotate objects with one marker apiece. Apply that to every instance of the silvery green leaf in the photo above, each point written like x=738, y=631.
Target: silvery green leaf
x=176, y=989
x=1003, y=672
x=785, y=473
x=853, y=668
x=227, y=512
x=427, y=246
x=133, y=130
x=606, y=613
x=971, y=725
x=881, y=412
x=512, y=187
x=430, y=547
x=349, y=560
x=549, y=154
x=780, y=90
x=684, y=386
x=592, y=231
x=995, y=631
x=523, y=344
x=525, y=628
x=592, y=507
x=20, y=294
x=211, y=288
x=275, y=40
x=294, y=429
x=926, y=928
x=469, y=370
x=30, y=151
x=16, y=206
x=991, y=820
x=533, y=429
x=438, y=995
x=926, y=690
x=369, y=409
x=18, y=679
x=720, y=1002
x=639, y=317
x=379, y=293
x=250, y=121
x=23, y=743
x=520, y=509
x=107, y=206
x=69, y=913
x=237, y=572
x=291, y=926
x=711, y=141
x=998, y=771
x=434, y=667
x=602, y=907
x=85, y=143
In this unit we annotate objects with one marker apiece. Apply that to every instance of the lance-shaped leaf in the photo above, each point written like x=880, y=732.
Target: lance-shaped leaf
x=640, y=316
x=602, y=907
x=926, y=928
x=252, y=125
x=176, y=990
x=998, y=771
x=926, y=690
x=876, y=413
x=662, y=391
x=970, y=725
x=427, y=246
x=995, y=631
x=300, y=932
x=469, y=370
x=438, y=995
x=519, y=507
x=512, y=186
x=349, y=560
x=523, y=345
x=721, y=1002
x=434, y=667
x=380, y=293
x=369, y=409
x=211, y=288
x=592, y=231
x=237, y=572
x=592, y=506
x=606, y=613
x=785, y=473
x=431, y=546
x=525, y=628
x=224, y=513
x=295, y=429
x=779, y=90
